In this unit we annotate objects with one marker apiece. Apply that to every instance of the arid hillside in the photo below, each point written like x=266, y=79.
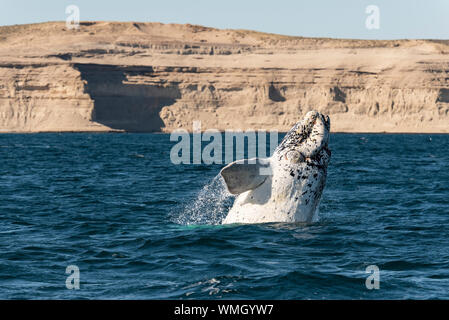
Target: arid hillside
x=159, y=77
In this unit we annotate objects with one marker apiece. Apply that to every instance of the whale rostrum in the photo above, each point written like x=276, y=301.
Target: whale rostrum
x=286, y=187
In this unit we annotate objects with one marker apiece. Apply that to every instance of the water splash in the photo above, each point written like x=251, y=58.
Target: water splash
x=209, y=207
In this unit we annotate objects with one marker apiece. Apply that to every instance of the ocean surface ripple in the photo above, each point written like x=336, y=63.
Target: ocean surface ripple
x=140, y=227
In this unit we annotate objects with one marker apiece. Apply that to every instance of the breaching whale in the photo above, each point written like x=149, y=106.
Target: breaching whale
x=286, y=187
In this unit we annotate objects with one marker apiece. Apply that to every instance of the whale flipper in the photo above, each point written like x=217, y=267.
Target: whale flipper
x=244, y=175
x=286, y=187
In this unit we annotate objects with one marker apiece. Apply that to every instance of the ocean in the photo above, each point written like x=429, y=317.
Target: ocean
x=115, y=211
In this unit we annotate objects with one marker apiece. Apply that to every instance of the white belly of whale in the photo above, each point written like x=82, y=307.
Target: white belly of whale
x=275, y=203
x=286, y=187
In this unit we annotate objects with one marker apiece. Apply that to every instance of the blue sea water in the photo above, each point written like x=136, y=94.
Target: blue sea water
x=139, y=227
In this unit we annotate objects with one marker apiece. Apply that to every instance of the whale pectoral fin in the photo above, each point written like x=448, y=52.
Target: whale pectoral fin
x=244, y=175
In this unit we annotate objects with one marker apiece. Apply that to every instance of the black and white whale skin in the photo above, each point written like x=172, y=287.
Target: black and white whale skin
x=286, y=187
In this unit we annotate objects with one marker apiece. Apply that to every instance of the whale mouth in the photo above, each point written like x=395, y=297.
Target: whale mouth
x=308, y=141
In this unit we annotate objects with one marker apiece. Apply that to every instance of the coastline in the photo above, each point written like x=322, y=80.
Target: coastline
x=220, y=131
x=153, y=77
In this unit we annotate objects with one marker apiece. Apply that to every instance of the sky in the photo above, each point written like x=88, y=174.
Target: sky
x=397, y=19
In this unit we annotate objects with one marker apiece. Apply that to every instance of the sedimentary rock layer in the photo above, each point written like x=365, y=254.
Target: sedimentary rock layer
x=153, y=77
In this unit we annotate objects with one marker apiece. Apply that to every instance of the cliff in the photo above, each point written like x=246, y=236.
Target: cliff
x=159, y=77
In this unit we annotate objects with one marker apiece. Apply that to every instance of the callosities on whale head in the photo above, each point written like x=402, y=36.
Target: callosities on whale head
x=307, y=141
x=286, y=187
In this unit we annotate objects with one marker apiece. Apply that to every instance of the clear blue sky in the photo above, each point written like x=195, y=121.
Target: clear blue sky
x=313, y=18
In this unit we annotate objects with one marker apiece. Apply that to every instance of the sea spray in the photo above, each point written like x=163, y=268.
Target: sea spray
x=210, y=206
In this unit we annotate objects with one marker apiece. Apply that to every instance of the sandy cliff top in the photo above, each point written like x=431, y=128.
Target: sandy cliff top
x=228, y=79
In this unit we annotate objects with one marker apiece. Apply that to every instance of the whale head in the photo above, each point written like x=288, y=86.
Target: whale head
x=286, y=187
x=307, y=141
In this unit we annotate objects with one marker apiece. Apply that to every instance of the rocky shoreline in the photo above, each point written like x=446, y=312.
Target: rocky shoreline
x=152, y=77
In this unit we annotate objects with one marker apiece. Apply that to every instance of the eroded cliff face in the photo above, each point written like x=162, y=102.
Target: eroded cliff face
x=154, y=77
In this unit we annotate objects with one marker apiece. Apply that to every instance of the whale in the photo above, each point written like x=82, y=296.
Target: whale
x=287, y=186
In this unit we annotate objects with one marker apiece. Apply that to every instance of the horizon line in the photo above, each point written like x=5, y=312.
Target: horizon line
x=233, y=29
